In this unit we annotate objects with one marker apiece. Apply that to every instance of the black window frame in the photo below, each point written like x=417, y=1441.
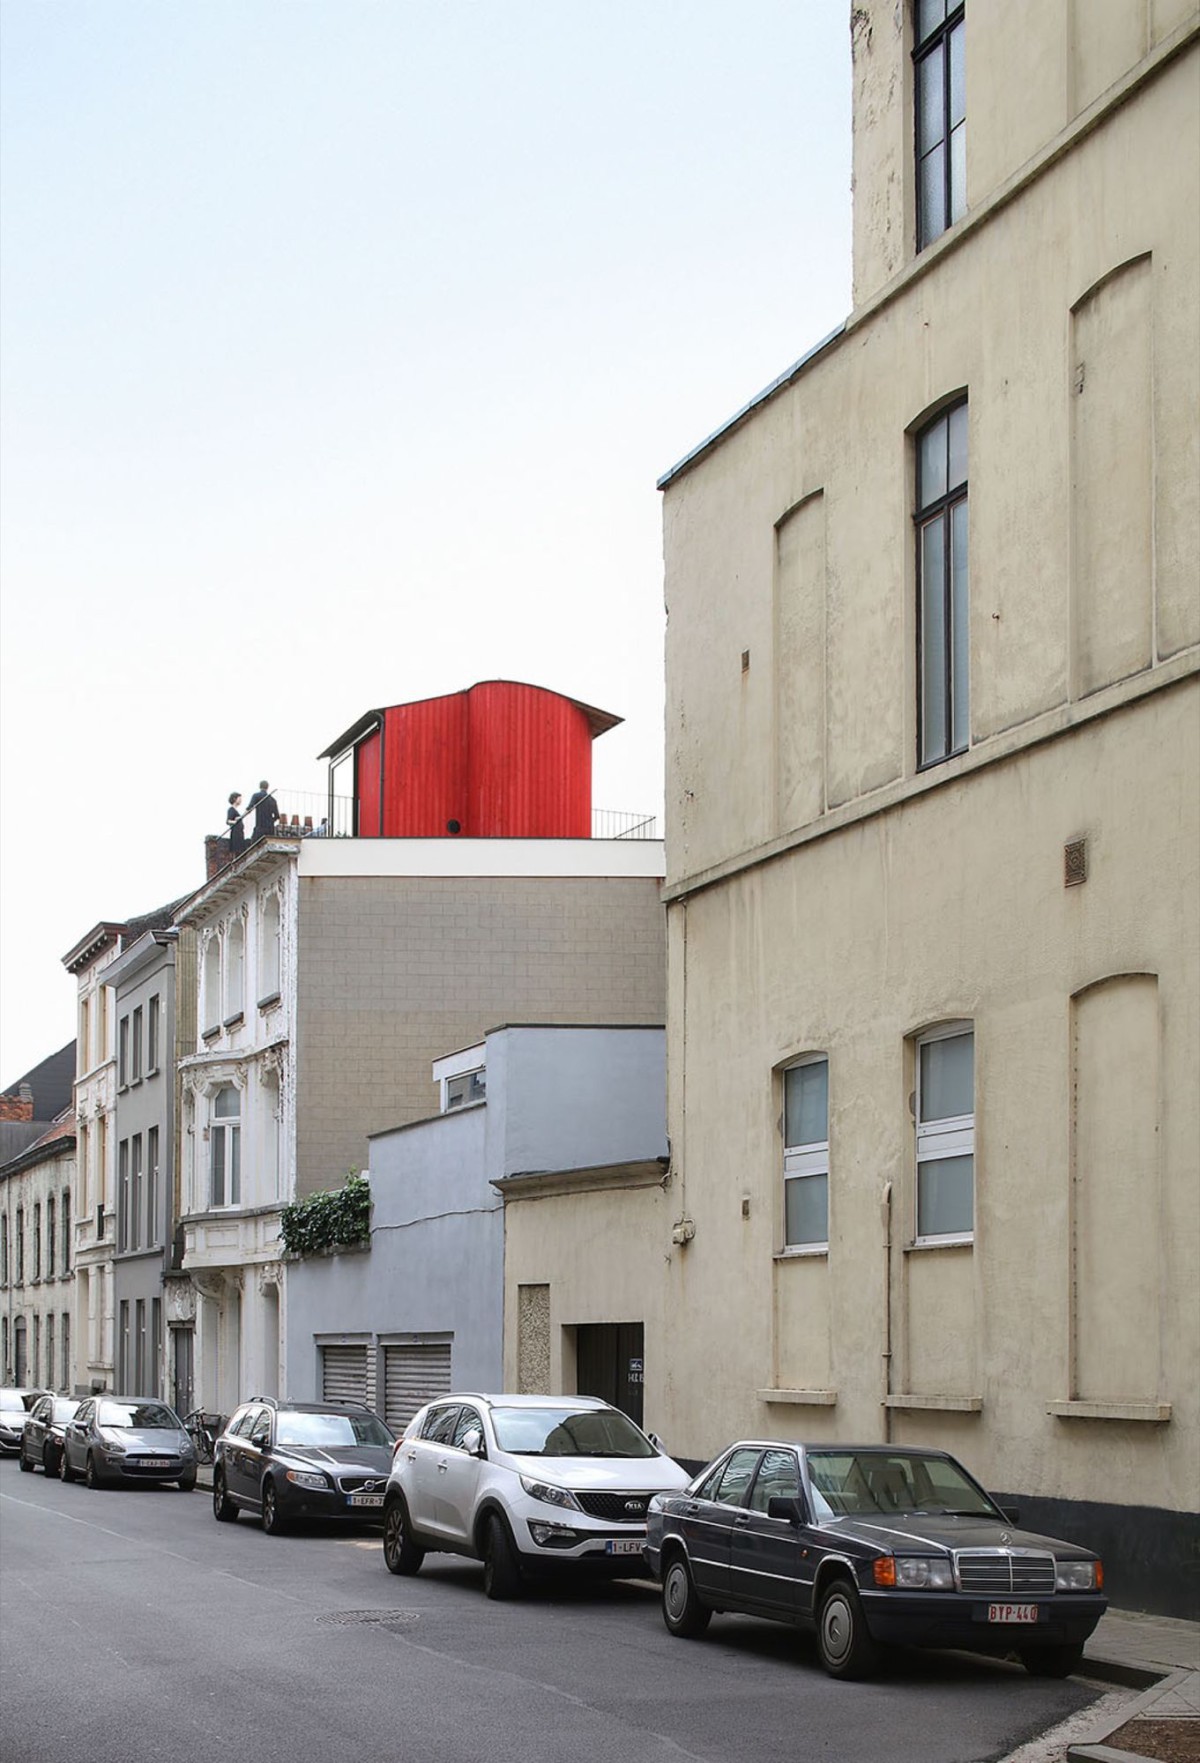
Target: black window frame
x=937, y=41
x=940, y=510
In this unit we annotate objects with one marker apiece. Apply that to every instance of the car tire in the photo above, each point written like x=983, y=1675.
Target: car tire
x=501, y=1569
x=186, y=1484
x=1052, y=1661
x=49, y=1462
x=273, y=1521
x=400, y=1553
x=224, y=1510
x=91, y=1475
x=26, y=1465
x=684, y=1612
x=843, y=1638
x=66, y=1473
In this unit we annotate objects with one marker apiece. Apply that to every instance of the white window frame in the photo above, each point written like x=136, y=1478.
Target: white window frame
x=944, y=1137
x=468, y=1062
x=803, y=1161
x=221, y=1125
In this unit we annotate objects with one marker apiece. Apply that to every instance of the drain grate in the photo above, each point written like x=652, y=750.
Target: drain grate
x=381, y=1618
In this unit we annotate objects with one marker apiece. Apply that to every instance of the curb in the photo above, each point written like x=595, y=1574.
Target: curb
x=1095, y=1749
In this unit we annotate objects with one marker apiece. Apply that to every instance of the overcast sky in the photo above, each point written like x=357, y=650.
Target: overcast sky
x=341, y=345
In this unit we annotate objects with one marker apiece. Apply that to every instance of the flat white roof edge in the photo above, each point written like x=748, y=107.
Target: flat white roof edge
x=582, y=858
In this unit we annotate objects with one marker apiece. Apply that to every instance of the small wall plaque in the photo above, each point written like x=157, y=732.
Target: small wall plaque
x=1075, y=866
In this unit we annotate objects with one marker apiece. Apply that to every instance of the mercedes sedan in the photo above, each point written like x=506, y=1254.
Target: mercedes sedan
x=868, y=1546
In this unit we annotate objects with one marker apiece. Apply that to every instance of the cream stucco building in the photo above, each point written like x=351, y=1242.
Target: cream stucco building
x=933, y=852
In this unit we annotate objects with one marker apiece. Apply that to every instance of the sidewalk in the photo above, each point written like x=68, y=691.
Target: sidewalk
x=1160, y=1656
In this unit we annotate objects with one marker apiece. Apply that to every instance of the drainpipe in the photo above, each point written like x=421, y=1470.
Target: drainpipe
x=886, y=1209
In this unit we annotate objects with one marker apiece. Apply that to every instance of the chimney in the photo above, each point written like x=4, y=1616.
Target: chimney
x=18, y=1107
x=216, y=854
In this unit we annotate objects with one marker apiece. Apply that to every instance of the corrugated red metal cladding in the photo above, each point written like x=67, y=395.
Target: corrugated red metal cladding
x=501, y=760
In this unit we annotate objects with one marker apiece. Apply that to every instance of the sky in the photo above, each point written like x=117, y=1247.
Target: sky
x=342, y=343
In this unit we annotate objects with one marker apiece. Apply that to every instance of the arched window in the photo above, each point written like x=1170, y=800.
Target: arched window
x=225, y=1148
x=235, y=977
x=211, y=1015
x=268, y=959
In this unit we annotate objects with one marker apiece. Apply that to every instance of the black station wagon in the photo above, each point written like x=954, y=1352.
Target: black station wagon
x=868, y=1546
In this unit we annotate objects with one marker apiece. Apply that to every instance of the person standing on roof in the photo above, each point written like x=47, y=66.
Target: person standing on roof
x=233, y=820
x=266, y=810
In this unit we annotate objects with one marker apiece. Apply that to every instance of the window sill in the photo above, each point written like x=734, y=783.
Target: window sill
x=234, y=1021
x=937, y=1404
x=810, y=1252
x=134, y=1082
x=922, y=1245
x=798, y=1398
x=153, y=1070
x=270, y=1001
x=210, y=1034
x=1154, y=1412
x=121, y=1088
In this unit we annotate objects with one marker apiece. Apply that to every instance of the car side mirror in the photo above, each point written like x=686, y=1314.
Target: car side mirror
x=472, y=1442
x=787, y=1506
x=261, y=1437
x=657, y=1442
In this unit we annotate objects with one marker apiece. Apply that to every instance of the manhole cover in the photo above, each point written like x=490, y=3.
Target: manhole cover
x=382, y=1618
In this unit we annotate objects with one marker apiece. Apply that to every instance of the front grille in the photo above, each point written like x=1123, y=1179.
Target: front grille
x=991, y=1573
x=358, y=1484
x=616, y=1508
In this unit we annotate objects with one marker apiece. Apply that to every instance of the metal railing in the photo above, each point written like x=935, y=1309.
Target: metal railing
x=305, y=815
x=616, y=823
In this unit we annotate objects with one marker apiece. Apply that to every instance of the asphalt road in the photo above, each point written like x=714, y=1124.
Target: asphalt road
x=134, y=1629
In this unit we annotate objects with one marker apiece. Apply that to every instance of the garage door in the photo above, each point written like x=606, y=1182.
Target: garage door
x=344, y=1374
x=413, y=1374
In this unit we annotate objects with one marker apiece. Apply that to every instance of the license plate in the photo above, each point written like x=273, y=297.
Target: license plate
x=1012, y=1613
x=154, y=1462
x=366, y=1499
x=623, y=1546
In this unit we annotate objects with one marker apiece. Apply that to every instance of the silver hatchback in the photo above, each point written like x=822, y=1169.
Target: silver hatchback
x=119, y=1441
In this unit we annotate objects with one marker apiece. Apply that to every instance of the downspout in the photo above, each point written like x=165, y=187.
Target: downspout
x=886, y=1209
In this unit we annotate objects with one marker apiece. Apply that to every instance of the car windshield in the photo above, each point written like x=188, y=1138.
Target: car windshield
x=139, y=1416
x=881, y=1483
x=330, y=1430
x=569, y=1432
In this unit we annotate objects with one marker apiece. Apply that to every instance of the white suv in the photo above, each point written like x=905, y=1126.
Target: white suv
x=523, y=1484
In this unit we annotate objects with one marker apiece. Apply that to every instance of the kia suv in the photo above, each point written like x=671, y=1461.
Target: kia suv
x=525, y=1484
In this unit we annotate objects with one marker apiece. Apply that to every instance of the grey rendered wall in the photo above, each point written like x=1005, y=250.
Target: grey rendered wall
x=395, y=971
x=436, y=1262
x=574, y=1098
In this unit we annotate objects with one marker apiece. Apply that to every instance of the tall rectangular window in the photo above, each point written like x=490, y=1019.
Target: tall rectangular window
x=123, y=1051
x=37, y=1240
x=940, y=88
x=83, y=1053
x=806, y=1154
x=155, y=1348
x=225, y=1134
x=50, y=1348
x=139, y=1347
x=152, y=1187
x=946, y=1134
x=136, y=1198
x=123, y=1349
x=3, y=1256
x=66, y=1230
x=64, y=1347
x=135, y=1059
x=51, y=1238
x=123, y=1195
x=35, y=1367
x=153, y=1034
x=943, y=621
x=20, y=1245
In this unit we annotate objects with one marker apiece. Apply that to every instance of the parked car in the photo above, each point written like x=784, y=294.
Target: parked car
x=115, y=1441
x=15, y=1404
x=525, y=1484
x=42, y=1435
x=869, y=1545
x=283, y=1461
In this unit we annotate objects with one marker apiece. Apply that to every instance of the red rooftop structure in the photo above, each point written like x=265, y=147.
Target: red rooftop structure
x=501, y=760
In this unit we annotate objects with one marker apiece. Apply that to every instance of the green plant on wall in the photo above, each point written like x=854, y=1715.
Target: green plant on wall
x=331, y=1220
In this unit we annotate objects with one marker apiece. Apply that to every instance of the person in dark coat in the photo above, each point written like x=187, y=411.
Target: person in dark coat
x=233, y=820
x=266, y=810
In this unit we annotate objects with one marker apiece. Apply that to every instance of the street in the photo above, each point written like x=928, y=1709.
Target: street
x=133, y=1629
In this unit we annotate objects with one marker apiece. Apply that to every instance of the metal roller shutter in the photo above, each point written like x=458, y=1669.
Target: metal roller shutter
x=413, y=1374
x=344, y=1374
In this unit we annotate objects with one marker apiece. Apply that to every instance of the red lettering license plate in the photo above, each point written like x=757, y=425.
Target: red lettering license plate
x=1012, y=1613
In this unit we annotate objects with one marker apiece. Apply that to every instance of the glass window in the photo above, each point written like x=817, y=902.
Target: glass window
x=37, y=1240
x=153, y=1033
x=467, y=1087
x=440, y=1424
x=135, y=1194
x=152, y=1186
x=946, y=1134
x=940, y=92
x=943, y=610
x=225, y=1134
x=123, y=1052
x=135, y=1075
x=51, y=1238
x=211, y=1016
x=735, y=1477
x=778, y=1478
x=806, y=1154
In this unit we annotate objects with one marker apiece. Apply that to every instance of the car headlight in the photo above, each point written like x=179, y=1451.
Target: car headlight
x=542, y=1490
x=306, y=1478
x=914, y=1573
x=1078, y=1576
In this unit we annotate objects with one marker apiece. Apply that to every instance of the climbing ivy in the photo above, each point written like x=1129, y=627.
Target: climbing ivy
x=332, y=1220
